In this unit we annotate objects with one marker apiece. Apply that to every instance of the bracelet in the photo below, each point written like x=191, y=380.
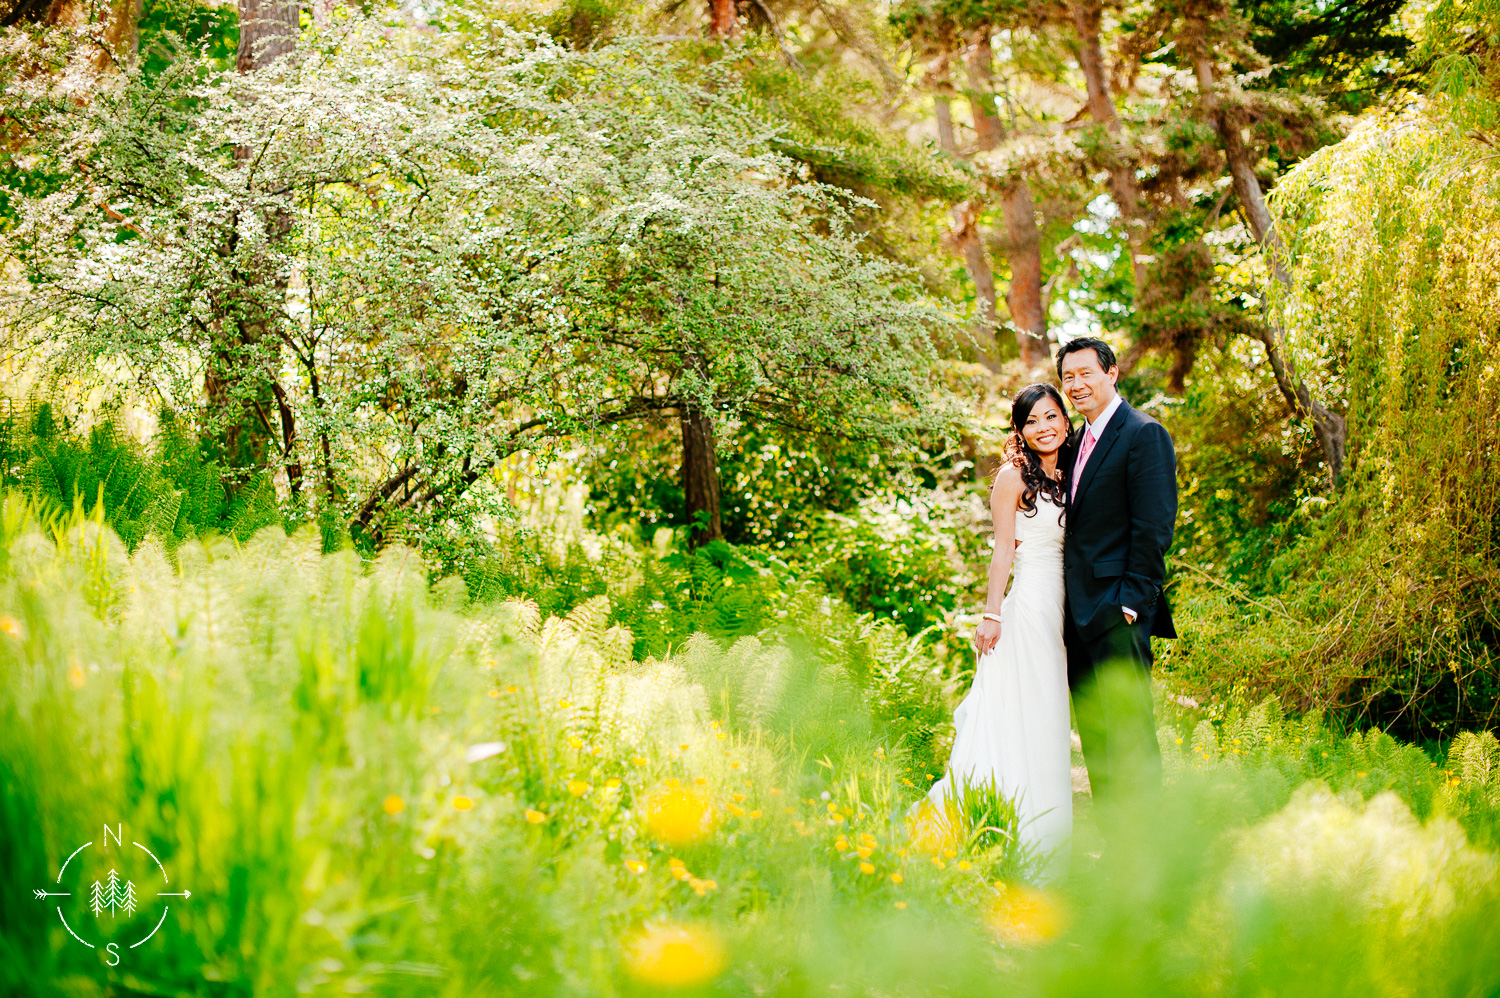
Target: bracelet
x=991, y=616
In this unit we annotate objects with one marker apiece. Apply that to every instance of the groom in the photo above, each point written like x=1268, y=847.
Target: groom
x=1122, y=504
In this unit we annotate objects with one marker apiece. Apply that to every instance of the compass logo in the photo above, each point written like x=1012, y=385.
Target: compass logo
x=114, y=912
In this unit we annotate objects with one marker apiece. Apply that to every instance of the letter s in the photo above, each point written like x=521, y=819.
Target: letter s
x=114, y=955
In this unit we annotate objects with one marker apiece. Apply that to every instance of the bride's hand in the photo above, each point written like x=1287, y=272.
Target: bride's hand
x=986, y=635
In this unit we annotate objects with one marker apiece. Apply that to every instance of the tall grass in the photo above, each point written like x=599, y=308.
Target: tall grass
x=372, y=784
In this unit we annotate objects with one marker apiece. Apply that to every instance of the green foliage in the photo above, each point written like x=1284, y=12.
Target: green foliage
x=1380, y=601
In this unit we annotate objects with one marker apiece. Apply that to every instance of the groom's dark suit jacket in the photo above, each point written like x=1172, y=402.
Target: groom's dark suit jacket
x=1119, y=526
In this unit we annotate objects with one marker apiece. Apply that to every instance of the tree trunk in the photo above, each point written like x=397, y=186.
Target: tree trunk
x=268, y=31
x=1023, y=241
x=700, y=476
x=241, y=380
x=1122, y=184
x=723, y=19
x=1329, y=427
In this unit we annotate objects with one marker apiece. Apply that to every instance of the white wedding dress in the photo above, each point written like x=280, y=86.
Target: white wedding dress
x=1012, y=727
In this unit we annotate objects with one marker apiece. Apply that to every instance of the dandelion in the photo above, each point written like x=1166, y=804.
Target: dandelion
x=462, y=803
x=678, y=816
x=1025, y=916
x=674, y=955
x=635, y=866
x=578, y=788
x=393, y=805
x=535, y=817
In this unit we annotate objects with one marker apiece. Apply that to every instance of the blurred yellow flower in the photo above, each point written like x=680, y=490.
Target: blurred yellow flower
x=867, y=868
x=841, y=844
x=735, y=810
x=755, y=813
x=683, y=746
x=737, y=798
x=702, y=781
x=1025, y=916
x=494, y=693
x=76, y=678
x=701, y=887
x=638, y=760
x=393, y=805
x=775, y=791
x=896, y=878
x=575, y=741
x=462, y=803
x=510, y=689
x=964, y=864
x=578, y=788
x=535, y=817
x=722, y=736
x=939, y=863
x=635, y=866
x=678, y=816
x=564, y=704
x=901, y=905
x=613, y=783
x=12, y=627
x=674, y=955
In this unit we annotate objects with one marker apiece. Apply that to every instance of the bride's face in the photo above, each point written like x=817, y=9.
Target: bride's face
x=1046, y=427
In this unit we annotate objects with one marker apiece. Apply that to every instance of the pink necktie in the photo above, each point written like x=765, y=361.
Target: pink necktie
x=1083, y=457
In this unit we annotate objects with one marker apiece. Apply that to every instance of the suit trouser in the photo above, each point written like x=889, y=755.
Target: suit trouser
x=1110, y=677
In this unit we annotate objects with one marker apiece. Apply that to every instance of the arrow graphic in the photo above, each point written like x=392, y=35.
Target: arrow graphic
x=175, y=894
x=51, y=894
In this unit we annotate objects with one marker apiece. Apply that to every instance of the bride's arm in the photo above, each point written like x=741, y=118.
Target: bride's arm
x=1005, y=498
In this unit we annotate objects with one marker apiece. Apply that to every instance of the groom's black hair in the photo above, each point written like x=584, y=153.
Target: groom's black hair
x=1101, y=350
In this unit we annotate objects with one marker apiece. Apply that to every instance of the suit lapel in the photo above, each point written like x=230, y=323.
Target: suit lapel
x=1101, y=449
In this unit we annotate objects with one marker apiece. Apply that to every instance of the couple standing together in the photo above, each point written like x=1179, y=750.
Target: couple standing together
x=1085, y=518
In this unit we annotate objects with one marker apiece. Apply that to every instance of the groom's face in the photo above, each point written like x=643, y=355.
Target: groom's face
x=1087, y=384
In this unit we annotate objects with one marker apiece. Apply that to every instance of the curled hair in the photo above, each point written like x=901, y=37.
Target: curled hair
x=1034, y=480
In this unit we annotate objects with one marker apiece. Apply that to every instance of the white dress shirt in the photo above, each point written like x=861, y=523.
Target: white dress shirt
x=1095, y=429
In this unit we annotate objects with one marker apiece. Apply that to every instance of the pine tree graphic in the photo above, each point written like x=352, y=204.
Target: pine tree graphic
x=114, y=895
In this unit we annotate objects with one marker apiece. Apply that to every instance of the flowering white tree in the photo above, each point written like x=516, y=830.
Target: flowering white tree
x=388, y=261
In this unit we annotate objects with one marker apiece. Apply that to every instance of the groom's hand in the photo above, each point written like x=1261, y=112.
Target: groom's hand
x=1129, y=614
x=986, y=635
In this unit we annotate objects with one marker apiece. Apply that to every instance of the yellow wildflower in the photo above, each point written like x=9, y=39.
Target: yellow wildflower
x=678, y=816
x=462, y=803
x=535, y=817
x=896, y=878
x=867, y=868
x=578, y=788
x=1024, y=916
x=674, y=956
x=393, y=805
x=635, y=866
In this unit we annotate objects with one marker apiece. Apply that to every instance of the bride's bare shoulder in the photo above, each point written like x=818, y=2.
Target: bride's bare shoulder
x=1008, y=486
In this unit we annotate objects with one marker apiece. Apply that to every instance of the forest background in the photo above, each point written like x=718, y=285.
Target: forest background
x=686, y=319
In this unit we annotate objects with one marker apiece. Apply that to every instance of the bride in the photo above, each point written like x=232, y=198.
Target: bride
x=1012, y=727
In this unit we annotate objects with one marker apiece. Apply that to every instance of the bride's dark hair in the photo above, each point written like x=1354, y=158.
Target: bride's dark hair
x=1033, y=479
